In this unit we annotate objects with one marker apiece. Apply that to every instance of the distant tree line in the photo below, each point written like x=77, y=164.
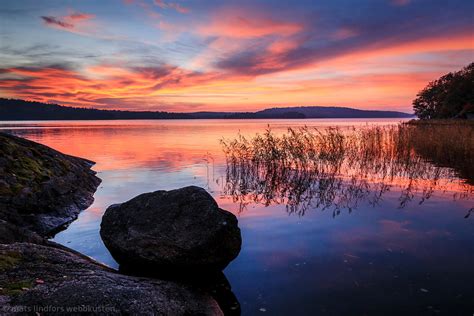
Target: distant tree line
x=451, y=96
x=11, y=109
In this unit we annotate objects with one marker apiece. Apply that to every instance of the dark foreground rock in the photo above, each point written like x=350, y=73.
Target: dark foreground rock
x=41, y=279
x=10, y=233
x=177, y=230
x=41, y=188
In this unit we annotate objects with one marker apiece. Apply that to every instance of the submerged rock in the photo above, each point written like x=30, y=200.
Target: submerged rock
x=171, y=231
x=48, y=280
x=41, y=188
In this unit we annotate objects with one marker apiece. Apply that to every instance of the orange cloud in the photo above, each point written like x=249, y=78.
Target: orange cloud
x=99, y=85
x=78, y=16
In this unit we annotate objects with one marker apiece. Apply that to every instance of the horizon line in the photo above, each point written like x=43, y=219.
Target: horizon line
x=210, y=111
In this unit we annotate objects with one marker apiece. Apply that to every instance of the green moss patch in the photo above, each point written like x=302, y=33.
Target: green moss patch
x=17, y=287
x=9, y=260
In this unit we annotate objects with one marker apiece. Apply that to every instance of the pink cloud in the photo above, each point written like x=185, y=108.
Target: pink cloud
x=283, y=46
x=241, y=24
x=344, y=33
x=70, y=21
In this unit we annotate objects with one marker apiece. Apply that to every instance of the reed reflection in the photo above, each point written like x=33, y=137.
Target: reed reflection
x=337, y=168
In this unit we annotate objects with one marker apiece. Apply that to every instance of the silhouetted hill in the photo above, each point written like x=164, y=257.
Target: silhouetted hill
x=18, y=110
x=327, y=112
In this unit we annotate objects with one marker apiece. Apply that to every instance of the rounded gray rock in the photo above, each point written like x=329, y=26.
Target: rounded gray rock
x=171, y=231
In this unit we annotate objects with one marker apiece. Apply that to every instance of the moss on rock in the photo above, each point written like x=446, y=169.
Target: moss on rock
x=38, y=180
x=16, y=287
x=9, y=260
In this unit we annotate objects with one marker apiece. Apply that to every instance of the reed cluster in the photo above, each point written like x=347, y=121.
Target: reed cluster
x=337, y=168
x=445, y=143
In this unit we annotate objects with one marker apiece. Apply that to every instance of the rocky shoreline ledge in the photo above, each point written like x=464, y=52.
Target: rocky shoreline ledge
x=42, y=190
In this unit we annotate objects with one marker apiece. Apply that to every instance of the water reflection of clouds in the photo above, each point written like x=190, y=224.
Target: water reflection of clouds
x=117, y=148
x=148, y=155
x=393, y=236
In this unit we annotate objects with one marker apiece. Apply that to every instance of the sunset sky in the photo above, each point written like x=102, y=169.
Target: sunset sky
x=195, y=55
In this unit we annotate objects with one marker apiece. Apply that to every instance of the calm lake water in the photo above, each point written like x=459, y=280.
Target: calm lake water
x=415, y=257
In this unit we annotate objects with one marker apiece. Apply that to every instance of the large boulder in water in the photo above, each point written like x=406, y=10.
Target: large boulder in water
x=171, y=231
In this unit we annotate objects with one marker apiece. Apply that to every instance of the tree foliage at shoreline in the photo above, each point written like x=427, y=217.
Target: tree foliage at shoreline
x=450, y=96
